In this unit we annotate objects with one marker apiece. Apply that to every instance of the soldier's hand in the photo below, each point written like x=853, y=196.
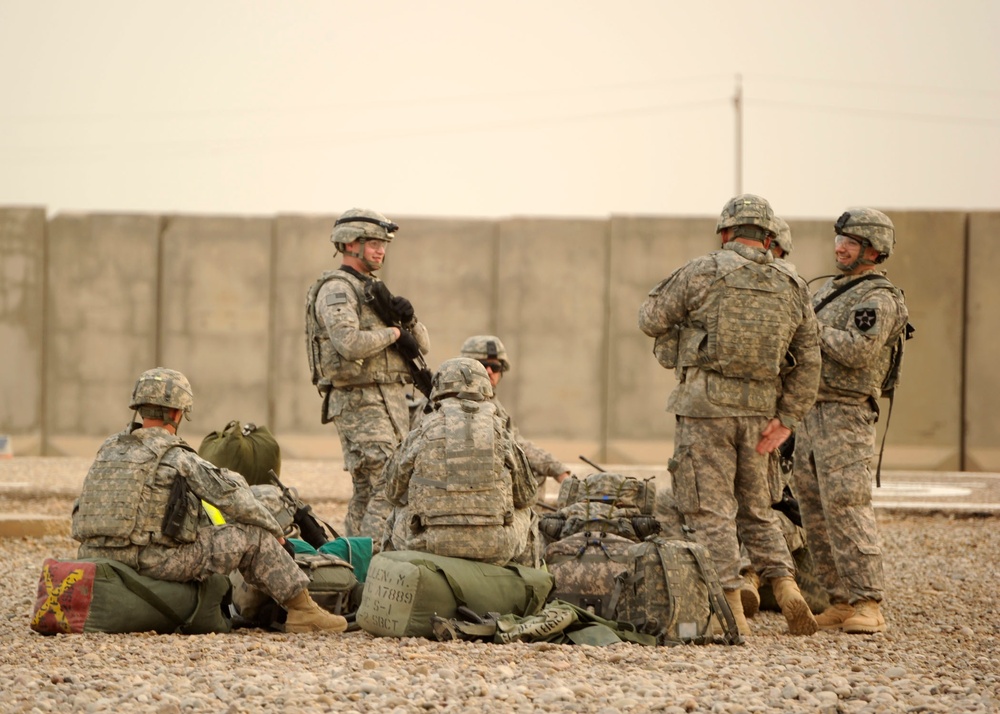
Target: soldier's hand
x=403, y=309
x=773, y=436
x=407, y=345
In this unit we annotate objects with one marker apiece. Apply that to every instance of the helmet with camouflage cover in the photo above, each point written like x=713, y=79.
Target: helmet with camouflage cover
x=461, y=377
x=873, y=228
x=163, y=387
x=482, y=347
x=783, y=236
x=361, y=224
x=748, y=209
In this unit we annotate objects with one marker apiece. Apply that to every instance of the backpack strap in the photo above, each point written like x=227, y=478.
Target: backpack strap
x=129, y=580
x=847, y=286
x=716, y=596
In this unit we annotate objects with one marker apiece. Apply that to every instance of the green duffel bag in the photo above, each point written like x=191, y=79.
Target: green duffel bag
x=102, y=595
x=247, y=449
x=406, y=588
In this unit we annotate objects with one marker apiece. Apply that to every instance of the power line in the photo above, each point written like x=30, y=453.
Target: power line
x=883, y=113
x=879, y=85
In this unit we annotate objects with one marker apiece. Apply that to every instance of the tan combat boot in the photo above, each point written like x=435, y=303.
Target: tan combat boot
x=832, y=618
x=867, y=619
x=735, y=601
x=793, y=606
x=304, y=615
x=750, y=594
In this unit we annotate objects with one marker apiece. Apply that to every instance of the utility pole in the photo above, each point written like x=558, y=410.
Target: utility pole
x=738, y=144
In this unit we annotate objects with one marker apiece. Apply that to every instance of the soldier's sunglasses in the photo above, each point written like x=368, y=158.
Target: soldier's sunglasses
x=491, y=365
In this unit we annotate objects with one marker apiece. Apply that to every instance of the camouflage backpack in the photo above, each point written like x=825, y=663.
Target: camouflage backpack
x=598, y=520
x=605, y=503
x=670, y=589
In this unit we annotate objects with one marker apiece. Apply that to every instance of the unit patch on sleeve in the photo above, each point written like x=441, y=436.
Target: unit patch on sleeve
x=864, y=319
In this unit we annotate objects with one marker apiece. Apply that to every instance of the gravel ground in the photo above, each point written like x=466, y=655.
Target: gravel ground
x=941, y=653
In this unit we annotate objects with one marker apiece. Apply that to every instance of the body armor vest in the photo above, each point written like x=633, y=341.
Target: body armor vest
x=123, y=503
x=327, y=366
x=460, y=478
x=867, y=381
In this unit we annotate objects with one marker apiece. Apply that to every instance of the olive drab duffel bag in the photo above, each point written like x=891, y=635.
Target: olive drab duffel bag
x=405, y=589
x=102, y=595
x=248, y=449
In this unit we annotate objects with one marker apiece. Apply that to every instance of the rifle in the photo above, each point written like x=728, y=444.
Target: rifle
x=310, y=527
x=585, y=460
x=379, y=297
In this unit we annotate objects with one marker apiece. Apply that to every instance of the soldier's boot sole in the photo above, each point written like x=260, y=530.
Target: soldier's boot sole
x=799, y=617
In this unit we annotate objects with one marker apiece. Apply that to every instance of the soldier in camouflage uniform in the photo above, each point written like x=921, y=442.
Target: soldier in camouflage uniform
x=858, y=329
x=461, y=485
x=727, y=323
x=141, y=505
x=489, y=351
x=359, y=362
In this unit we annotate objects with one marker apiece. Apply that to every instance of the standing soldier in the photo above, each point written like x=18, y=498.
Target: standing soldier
x=727, y=322
x=862, y=319
x=365, y=346
x=140, y=505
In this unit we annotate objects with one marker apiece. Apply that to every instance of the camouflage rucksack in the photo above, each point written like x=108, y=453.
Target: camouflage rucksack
x=670, y=589
x=605, y=503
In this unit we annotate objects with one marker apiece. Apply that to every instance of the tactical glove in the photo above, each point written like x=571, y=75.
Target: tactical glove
x=403, y=309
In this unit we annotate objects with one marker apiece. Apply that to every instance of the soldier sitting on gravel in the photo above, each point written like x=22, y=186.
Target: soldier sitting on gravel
x=141, y=506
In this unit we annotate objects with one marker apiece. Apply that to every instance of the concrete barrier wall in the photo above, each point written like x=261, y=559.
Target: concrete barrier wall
x=221, y=298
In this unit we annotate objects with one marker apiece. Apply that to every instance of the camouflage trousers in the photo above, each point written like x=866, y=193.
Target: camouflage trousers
x=516, y=542
x=718, y=477
x=371, y=422
x=833, y=485
x=255, y=553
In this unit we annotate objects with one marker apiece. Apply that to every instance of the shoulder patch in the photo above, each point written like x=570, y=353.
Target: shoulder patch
x=336, y=298
x=864, y=318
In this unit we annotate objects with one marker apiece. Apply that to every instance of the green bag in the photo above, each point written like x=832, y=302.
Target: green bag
x=332, y=584
x=406, y=588
x=103, y=595
x=247, y=449
x=356, y=550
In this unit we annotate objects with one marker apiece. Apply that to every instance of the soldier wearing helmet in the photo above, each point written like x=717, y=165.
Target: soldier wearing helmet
x=732, y=317
x=460, y=485
x=490, y=352
x=862, y=324
x=781, y=246
x=141, y=505
x=364, y=346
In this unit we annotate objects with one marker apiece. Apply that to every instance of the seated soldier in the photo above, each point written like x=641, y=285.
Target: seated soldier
x=460, y=485
x=140, y=505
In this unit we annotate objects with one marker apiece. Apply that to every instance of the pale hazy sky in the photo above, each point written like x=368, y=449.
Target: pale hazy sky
x=465, y=108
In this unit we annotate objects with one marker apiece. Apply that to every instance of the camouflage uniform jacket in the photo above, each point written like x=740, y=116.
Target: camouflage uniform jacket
x=106, y=503
x=355, y=339
x=857, y=330
x=415, y=458
x=543, y=464
x=775, y=335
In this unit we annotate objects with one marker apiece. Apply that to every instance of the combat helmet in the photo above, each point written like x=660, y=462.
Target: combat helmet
x=461, y=377
x=480, y=347
x=872, y=228
x=163, y=387
x=783, y=235
x=361, y=224
x=750, y=214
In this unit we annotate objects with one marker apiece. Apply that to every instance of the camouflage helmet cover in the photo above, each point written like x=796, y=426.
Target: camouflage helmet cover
x=480, y=347
x=783, y=235
x=163, y=387
x=362, y=224
x=746, y=209
x=462, y=377
x=869, y=224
